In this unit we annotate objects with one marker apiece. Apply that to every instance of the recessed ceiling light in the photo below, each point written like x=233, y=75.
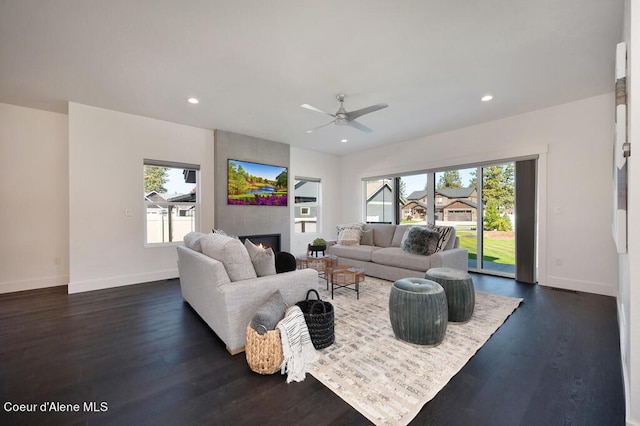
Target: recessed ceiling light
x=344, y=140
x=486, y=98
x=193, y=100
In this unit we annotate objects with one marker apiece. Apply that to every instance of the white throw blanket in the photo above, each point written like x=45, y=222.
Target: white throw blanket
x=296, y=345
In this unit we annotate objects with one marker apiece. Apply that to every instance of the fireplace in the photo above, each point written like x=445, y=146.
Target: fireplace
x=267, y=240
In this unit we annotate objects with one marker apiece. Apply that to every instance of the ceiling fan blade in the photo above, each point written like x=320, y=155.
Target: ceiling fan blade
x=360, y=127
x=355, y=114
x=319, y=127
x=312, y=108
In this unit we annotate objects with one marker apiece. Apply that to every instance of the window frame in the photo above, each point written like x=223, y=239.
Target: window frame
x=167, y=206
x=307, y=205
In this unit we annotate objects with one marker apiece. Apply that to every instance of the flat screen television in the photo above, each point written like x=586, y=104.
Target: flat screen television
x=256, y=184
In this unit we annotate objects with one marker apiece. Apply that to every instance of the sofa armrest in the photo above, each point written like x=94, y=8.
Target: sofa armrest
x=454, y=258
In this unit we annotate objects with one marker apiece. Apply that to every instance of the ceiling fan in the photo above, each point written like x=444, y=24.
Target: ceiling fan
x=344, y=118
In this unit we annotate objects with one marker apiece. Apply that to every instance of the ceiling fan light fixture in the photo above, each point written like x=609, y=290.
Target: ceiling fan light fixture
x=193, y=100
x=486, y=98
x=344, y=140
x=342, y=117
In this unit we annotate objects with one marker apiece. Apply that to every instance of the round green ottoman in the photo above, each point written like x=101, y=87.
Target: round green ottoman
x=418, y=311
x=458, y=286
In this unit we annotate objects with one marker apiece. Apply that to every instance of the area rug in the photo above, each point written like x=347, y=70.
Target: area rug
x=388, y=380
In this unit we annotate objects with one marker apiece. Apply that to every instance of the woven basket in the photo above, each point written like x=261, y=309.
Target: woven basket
x=264, y=352
x=319, y=317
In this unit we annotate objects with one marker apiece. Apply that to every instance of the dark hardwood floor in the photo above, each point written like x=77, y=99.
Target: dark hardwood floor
x=151, y=360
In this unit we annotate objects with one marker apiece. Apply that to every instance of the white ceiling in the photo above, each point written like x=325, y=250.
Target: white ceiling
x=253, y=63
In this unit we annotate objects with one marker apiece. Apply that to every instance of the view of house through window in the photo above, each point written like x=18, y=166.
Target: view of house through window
x=306, y=206
x=379, y=203
x=413, y=199
x=171, y=202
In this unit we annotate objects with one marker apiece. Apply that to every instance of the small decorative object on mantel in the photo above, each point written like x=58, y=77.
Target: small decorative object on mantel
x=318, y=245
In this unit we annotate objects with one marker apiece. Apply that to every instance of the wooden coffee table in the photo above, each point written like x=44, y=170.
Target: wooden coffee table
x=320, y=264
x=345, y=276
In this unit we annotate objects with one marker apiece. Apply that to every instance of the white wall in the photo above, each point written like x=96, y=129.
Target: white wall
x=629, y=283
x=326, y=167
x=106, y=152
x=34, y=222
x=574, y=142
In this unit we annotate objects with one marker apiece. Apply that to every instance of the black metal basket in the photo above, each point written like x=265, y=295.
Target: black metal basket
x=319, y=317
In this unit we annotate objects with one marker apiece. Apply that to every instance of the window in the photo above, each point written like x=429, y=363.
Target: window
x=478, y=200
x=379, y=200
x=306, y=206
x=413, y=199
x=171, y=201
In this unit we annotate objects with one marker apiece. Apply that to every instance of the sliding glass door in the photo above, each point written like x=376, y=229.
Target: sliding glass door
x=480, y=202
x=498, y=245
x=456, y=204
x=482, y=213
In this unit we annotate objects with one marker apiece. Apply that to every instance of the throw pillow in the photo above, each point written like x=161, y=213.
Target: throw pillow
x=349, y=237
x=285, y=262
x=264, y=261
x=444, y=235
x=269, y=313
x=232, y=253
x=366, y=239
x=420, y=240
x=349, y=234
x=192, y=241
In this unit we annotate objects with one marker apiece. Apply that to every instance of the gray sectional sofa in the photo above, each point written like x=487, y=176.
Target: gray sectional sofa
x=380, y=255
x=226, y=292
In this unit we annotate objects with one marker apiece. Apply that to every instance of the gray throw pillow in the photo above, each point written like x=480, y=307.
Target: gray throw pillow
x=263, y=260
x=366, y=239
x=420, y=240
x=269, y=313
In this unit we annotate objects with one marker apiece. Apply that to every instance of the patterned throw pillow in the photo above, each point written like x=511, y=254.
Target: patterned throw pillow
x=264, y=261
x=420, y=240
x=349, y=235
x=444, y=233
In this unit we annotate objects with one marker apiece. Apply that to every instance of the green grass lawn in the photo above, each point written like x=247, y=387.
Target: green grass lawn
x=498, y=251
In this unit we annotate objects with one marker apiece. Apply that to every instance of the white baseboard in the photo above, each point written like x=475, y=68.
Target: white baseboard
x=110, y=282
x=32, y=284
x=579, y=285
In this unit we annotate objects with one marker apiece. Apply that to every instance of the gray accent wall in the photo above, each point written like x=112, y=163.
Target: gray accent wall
x=250, y=220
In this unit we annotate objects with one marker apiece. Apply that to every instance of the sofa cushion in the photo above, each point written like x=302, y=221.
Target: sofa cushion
x=383, y=234
x=232, y=253
x=263, y=260
x=192, y=241
x=420, y=240
x=398, y=234
x=395, y=256
x=358, y=252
